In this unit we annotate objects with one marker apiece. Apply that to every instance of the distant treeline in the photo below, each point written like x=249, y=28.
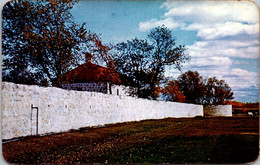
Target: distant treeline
x=236, y=104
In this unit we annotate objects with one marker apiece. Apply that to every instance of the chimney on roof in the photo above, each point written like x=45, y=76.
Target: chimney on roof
x=88, y=57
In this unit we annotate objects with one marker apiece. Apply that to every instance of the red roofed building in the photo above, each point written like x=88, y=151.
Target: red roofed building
x=93, y=78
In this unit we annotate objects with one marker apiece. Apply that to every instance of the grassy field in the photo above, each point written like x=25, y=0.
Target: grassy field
x=171, y=140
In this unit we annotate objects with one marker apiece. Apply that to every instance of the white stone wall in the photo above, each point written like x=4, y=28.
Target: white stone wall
x=62, y=110
x=218, y=110
x=119, y=90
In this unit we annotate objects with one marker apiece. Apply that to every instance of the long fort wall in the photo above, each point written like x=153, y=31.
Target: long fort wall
x=61, y=110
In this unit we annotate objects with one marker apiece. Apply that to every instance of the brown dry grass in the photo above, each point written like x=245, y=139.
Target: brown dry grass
x=91, y=145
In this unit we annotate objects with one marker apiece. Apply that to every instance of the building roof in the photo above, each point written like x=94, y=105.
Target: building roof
x=90, y=72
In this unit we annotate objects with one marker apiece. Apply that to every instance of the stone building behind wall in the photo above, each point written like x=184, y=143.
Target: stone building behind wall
x=93, y=78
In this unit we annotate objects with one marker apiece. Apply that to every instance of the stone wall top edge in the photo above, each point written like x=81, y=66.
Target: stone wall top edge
x=99, y=94
x=226, y=105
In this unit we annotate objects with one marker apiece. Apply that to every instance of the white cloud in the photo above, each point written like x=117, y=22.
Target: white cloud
x=245, y=52
x=227, y=48
x=213, y=11
x=212, y=61
x=240, y=78
x=237, y=78
x=219, y=30
x=226, y=30
x=211, y=19
x=168, y=22
x=240, y=72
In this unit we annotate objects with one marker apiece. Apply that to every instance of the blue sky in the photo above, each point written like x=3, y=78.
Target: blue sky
x=221, y=36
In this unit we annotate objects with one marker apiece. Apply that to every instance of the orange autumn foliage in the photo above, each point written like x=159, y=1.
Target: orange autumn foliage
x=171, y=92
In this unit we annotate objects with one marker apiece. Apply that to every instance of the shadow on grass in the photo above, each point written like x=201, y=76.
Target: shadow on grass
x=216, y=149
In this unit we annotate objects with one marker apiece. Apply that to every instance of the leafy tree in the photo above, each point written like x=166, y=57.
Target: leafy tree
x=15, y=18
x=144, y=62
x=171, y=92
x=192, y=86
x=132, y=61
x=217, y=92
x=164, y=53
x=41, y=41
